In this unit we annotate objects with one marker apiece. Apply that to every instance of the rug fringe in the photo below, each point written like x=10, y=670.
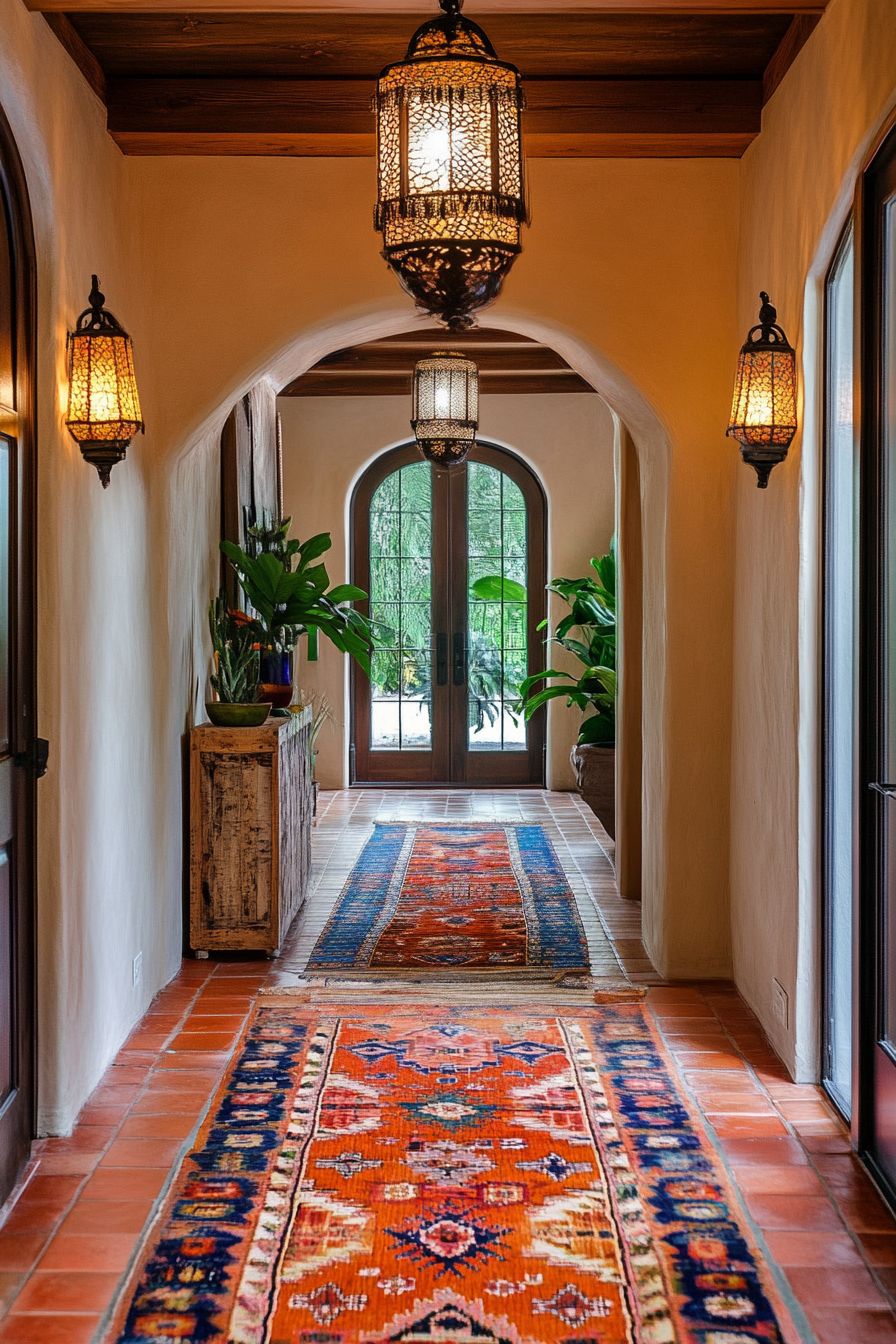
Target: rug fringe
x=460, y=994
x=457, y=974
x=468, y=822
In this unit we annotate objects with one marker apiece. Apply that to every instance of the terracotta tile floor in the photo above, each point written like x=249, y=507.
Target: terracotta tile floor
x=78, y=1219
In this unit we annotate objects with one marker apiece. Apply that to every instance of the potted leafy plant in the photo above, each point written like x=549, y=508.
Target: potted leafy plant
x=235, y=676
x=289, y=591
x=589, y=633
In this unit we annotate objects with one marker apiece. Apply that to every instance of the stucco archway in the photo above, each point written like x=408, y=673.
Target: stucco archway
x=642, y=829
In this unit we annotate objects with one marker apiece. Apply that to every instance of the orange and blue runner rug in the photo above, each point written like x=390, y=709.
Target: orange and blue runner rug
x=429, y=1175
x=425, y=896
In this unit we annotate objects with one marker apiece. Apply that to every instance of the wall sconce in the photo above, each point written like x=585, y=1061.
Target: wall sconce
x=763, y=413
x=446, y=407
x=103, y=403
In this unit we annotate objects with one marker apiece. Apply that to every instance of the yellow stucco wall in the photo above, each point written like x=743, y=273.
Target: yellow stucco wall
x=566, y=440
x=642, y=273
x=797, y=182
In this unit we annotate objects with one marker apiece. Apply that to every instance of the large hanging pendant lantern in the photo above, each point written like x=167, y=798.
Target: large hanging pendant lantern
x=446, y=407
x=451, y=200
x=103, y=403
x=763, y=413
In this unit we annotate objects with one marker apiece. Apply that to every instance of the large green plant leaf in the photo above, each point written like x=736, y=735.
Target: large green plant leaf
x=528, y=682
x=597, y=730
x=289, y=602
x=315, y=546
x=494, y=588
x=571, y=694
x=347, y=592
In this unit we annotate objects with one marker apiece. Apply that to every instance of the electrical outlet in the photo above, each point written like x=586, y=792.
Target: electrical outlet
x=137, y=969
x=780, y=1003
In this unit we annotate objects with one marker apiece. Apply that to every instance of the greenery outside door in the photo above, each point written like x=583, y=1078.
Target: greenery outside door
x=455, y=566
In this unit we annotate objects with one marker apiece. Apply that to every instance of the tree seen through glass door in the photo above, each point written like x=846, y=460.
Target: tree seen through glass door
x=401, y=607
x=497, y=633
x=449, y=563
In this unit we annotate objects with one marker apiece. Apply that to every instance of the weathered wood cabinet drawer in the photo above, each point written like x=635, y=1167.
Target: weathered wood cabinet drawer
x=250, y=833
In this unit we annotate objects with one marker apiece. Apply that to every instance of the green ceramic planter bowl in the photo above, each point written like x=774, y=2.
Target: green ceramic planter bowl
x=236, y=716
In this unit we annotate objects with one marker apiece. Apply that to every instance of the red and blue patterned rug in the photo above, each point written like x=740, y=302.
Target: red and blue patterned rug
x=428, y=1175
x=425, y=896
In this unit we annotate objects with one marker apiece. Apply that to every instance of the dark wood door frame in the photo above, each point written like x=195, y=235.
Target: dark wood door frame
x=879, y=174
x=828, y=653
x=17, y=1115
x=448, y=764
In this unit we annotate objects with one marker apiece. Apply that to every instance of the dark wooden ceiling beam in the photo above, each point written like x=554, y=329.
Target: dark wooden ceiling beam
x=800, y=29
x=321, y=383
x=434, y=338
x=377, y=359
x=355, y=46
x=77, y=48
x=419, y=7
x=333, y=117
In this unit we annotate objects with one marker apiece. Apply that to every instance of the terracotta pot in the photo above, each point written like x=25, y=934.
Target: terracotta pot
x=595, y=770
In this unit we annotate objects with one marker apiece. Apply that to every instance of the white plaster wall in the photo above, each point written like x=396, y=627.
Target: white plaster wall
x=120, y=577
x=797, y=184
x=568, y=442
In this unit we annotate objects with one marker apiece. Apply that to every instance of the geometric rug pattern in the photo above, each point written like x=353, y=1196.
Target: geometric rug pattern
x=428, y=896
x=433, y=1175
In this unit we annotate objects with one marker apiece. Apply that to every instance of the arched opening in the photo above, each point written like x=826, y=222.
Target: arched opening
x=639, y=442
x=345, y=411
x=18, y=757
x=455, y=565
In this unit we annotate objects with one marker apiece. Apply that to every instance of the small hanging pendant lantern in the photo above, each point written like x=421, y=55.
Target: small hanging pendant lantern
x=763, y=413
x=446, y=407
x=451, y=199
x=103, y=402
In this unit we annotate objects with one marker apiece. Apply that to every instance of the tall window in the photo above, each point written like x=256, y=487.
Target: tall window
x=841, y=498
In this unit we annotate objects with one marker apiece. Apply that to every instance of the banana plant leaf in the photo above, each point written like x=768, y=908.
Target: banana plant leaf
x=494, y=588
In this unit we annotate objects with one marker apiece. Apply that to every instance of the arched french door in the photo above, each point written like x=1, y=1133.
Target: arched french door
x=455, y=566
x=19, y=758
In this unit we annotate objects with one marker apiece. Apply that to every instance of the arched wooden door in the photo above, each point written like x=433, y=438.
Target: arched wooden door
x=455, y=566
x=19, y=758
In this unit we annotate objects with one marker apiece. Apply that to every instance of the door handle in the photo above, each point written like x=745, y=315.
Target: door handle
x=441, y=660
x=885, y=790
x=460, y=658
x=35, y=757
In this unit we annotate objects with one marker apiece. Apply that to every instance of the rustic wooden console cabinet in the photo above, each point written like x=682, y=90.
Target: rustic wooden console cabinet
x=250, y=833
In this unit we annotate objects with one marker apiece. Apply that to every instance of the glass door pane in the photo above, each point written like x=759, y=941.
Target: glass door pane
x=876, y=1122
x=888, y=632
x=401, y=606
x=840, y=615
x=497, y=614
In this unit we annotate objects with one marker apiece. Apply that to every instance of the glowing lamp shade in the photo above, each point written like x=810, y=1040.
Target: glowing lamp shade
x=763, y=412
x=446, y=407
x=103, y=403
x=451, y=195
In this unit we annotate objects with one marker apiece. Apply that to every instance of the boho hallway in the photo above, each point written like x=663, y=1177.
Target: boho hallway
x=447, y=758
x=70, y=1239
